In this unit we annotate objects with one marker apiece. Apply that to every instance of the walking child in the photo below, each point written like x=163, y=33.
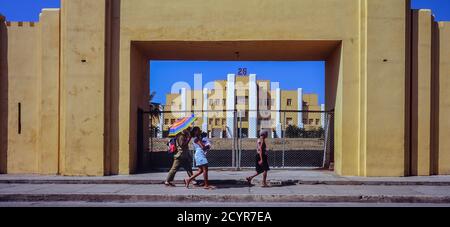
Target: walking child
x=200, y=159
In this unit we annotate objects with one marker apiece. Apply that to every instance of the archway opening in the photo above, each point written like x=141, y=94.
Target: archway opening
x=142, y=52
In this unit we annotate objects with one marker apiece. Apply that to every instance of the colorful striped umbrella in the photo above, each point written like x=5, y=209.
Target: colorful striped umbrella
x=181, y=125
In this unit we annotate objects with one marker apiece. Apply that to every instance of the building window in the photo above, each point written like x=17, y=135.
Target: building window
x=289, y=102
x=217, y=121
x=210, y=121
x=223, y=121
x=194, y=102
x=317, y=121
x=289, y=121
x=305, y=121
x=311, y=121
x=166, y=121
x=172, y=121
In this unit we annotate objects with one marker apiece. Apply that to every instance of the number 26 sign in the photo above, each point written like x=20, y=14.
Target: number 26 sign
x=242, y=72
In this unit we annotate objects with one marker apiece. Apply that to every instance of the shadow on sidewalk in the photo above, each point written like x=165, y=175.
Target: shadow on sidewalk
x=224, y=184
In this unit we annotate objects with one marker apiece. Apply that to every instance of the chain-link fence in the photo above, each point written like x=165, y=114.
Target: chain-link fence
x=216, y=125
x=297, y=139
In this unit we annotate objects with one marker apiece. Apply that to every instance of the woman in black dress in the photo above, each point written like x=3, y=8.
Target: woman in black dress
x=261, y=162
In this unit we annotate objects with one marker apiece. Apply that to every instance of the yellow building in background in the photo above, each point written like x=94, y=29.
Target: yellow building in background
x=259, y=105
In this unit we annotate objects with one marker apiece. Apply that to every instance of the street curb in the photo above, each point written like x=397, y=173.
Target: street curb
x=229, y=182
x=221, y=198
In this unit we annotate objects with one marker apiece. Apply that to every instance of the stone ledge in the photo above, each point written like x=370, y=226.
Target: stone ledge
x=222, y=198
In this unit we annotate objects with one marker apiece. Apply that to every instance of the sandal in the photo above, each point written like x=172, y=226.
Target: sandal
x=249, y=181
x=199, y=184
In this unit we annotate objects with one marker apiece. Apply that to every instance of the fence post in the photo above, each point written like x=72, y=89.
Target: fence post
x=283, y=126
x=239, y=136
x=326, y=152
x=233, y=137
x=140, y=141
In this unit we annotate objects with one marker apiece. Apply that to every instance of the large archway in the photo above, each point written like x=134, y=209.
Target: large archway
x=144, y=51
x=147, y=30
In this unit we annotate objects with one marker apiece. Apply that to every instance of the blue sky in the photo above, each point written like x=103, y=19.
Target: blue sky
x=28, y=10
x=291, y=75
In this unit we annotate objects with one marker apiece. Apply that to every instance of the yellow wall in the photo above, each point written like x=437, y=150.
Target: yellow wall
x=333, y=101
x=48, y=143
x=82, y=87
x=140, y=93
x=3, y=95
x=23, y=77
x=382, y=110
x=422, y=93
x=444, y=99
x=33, y=81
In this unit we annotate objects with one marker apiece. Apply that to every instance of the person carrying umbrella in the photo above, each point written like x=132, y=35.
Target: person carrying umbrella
x=182, y=156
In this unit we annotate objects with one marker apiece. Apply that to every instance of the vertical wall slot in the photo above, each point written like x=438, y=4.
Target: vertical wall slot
x=19, y=121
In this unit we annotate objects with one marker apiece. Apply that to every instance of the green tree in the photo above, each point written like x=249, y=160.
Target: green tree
x=293, y=131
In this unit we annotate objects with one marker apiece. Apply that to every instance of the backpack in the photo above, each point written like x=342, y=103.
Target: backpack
x=172, y=145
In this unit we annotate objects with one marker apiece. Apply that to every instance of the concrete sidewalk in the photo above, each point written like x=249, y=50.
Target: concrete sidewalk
x=276, y=177
x=126, y=193
x=288, y=186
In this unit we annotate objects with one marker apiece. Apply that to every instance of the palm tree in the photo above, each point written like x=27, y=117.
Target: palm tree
x=154, y=114
x=155, y=108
